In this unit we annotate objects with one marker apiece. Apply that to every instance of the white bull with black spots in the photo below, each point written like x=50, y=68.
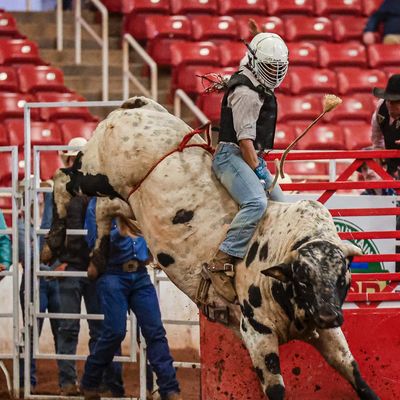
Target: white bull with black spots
x=294, y=278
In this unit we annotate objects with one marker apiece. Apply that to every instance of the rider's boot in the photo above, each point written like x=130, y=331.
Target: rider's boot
x=222, y=283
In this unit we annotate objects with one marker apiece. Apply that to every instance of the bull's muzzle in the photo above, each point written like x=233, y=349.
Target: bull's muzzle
x=329, y=317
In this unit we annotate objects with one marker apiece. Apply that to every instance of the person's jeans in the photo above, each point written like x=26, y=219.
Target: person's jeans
x=49, y=300
x=246, y=189
x=72, y=289
x=119, y=291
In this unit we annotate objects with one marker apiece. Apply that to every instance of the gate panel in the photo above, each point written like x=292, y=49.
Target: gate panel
x=373, y=337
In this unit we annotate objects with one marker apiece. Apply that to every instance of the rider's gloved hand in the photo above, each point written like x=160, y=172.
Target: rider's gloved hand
x=261, y=170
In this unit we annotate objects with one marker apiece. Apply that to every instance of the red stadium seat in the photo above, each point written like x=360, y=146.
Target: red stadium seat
x=284, y=135
x=209, y=27
x=265, y=24
x=8, y=26
x=164, y=30
x=357, y=137
x=76, y=128
x=383, y=55
x=42, y=133
x=12, y=105
x=114, y=6
x=194, y=53
x=56, y=113
x=278, y=7
x=231, y=54
x=306, y=80
x=41, y=78
x=354, y=108
x=198, y=85
x=369, y=6
x=4, y=138
x=194, y=6
x=19, y=51
x=285, y=87
x=346, y=28
x=322, y=137
x=351, y=80
x=391, y=71
x=327, y=7
x=145, y=6
x=308, y=170
x=210, y=104
x=303, y=54
x=49, y=163
x=170, y=26
x=8, y=79
x=6, y=168
x=229, y=7
x=299, y=108
x=343, y=54
x=306, y=28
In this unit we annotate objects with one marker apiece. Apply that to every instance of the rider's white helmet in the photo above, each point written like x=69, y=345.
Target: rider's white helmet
x=268, y=59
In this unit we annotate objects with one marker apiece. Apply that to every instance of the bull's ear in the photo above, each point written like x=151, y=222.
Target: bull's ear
x=281, y=272
x=350, y=250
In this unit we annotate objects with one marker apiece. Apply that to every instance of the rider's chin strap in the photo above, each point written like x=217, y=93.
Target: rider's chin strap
x=182, y=145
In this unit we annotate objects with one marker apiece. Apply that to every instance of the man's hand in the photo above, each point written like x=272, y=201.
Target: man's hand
x=369, y=37
x=261, y=170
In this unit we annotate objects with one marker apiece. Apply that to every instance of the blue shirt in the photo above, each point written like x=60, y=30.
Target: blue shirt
x=5, y=244
x=122, y=248
x=388, y=14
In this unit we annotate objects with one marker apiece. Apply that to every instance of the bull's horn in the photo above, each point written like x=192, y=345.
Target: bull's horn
x=350, y=250
x=282, y=272
x=254, y=29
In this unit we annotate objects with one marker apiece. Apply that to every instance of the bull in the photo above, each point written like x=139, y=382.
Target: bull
x=294, y=278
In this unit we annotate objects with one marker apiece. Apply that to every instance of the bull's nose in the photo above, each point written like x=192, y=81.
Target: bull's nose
x=329, y=318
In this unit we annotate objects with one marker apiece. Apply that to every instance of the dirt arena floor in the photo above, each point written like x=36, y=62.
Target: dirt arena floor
x=189, y=379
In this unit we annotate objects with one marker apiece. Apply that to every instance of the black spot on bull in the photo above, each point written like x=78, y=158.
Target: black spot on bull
x=244, y=327
x=259, y=327
x=282, y=297
x=300, y=242
x=272, y=363
x=91, y=185
x=251, y=255
x=101, y=255
x=247, y=310
x=165, y=259
x=361, y=387
x=264, y=252
x=182, y=216
x=275, y=392
x=137, y=103
x=255, y=296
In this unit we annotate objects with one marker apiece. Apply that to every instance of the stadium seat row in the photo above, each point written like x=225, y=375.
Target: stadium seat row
x=263, y=7
x=177, y=52
x=208, y=27
x=302, y=109
x=301, y=80
x=12, y=106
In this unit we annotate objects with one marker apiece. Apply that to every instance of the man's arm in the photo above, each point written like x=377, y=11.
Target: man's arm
x=248, y=153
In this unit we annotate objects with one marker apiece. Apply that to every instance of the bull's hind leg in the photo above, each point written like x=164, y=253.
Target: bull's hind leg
x=263, y=347
x=333, y=346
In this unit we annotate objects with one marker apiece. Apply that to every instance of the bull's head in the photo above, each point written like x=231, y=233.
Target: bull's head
x=319, y=273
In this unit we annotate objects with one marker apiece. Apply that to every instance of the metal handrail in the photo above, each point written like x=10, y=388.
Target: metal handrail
x=102, y=41
x=127, y=76
x=59, y=24
x=181, y=97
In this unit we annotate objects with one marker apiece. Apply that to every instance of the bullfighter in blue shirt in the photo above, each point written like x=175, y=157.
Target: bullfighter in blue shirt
x=127, y=285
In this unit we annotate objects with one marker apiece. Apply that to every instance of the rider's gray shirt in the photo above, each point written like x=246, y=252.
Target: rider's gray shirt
x=246, y=105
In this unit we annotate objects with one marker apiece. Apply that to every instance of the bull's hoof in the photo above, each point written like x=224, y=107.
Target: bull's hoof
x=46, y=254
x=92, y=272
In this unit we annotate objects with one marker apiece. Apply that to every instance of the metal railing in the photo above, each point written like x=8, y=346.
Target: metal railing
x=127, y=76
x=102, y=41
x=13, y=231
x=59, y=25
x=181, y=97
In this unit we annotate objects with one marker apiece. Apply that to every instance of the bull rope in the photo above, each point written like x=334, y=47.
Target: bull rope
x=182, y=146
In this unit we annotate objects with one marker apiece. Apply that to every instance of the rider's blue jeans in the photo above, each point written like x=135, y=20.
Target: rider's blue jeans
x=246, y=189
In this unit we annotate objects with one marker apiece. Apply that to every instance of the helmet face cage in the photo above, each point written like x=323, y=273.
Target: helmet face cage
x=269, y=70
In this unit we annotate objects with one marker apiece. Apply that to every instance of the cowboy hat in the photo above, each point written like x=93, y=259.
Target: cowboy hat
x=76, y=142
x=392, y=91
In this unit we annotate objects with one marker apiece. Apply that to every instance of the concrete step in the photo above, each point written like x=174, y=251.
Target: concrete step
x=89, y=57
x=45, y=17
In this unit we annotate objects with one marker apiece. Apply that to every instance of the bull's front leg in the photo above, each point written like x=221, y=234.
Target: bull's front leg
x=333, y=346
x=55, y=238
x=263, y=346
